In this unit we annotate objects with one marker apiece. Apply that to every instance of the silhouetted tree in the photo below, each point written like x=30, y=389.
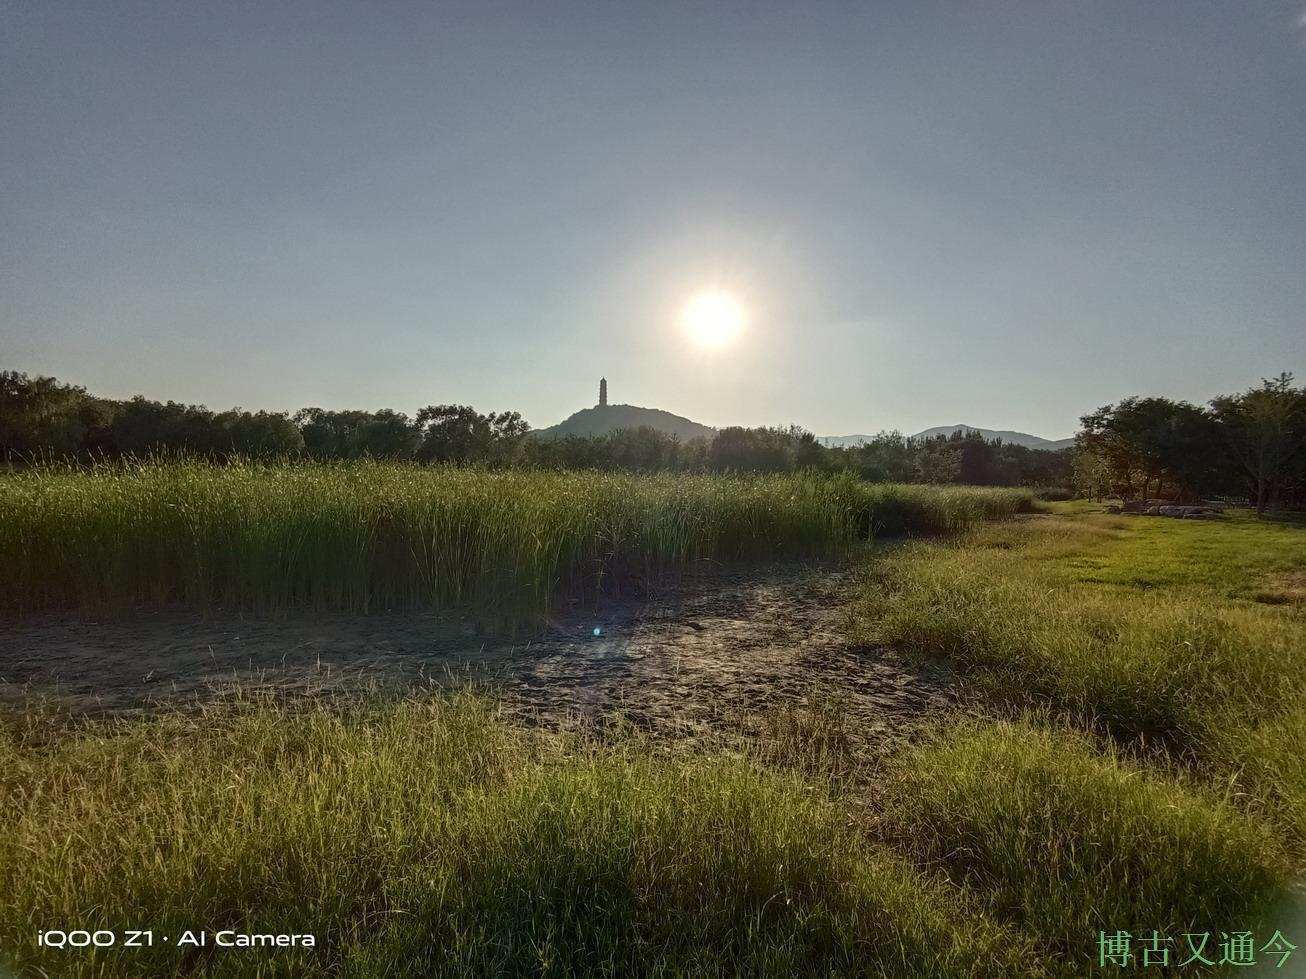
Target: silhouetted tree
x=381, y=434
x=256, y=435
x=937, y=461
x=642, y=449
x=41, y=417
x=458, y=433
x=762, y=450
x=887, y=458
x=1140, y=445
x=1145, y=442
x=1263, y=428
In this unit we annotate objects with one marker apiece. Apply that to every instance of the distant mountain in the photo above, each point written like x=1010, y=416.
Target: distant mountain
x=1015, y=438
x=602, y=419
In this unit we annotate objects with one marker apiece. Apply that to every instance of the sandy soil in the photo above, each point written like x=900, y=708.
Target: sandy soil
x=719, y=652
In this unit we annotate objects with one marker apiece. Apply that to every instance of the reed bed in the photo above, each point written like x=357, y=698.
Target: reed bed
x=370, y=536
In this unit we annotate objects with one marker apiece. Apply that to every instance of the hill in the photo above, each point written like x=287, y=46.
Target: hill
x=602, y=419
x=1015, y=438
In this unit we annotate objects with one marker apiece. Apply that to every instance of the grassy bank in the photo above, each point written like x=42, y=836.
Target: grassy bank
x=1064, y=838
x=1181, y=639
x=369, y=536
x=428, y=838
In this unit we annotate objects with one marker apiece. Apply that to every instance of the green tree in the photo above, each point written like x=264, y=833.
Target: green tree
x=887, y=458
x=382, y=434
x=257, y=435
x=1146, y=443
x=41, y=416
x=1090, y=473
x=938, y=460
x=1263, y=428
x=458, y=433
x=740, y=449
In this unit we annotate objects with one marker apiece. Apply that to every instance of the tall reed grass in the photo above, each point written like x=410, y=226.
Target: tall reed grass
x=369, y=536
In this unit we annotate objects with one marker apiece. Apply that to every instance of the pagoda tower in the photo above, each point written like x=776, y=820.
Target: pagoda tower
x=603, y=392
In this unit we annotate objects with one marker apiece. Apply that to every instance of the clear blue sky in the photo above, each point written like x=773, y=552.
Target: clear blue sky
x=1004, y=214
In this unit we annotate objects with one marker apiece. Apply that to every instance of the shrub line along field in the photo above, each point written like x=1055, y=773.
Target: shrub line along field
x=372, y=536
x=1130, y=761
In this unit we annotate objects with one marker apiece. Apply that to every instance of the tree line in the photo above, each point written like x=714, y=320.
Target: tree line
x=1249, y=445
x=42, y=418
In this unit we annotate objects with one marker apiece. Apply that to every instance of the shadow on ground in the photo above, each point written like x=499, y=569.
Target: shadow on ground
x=719, y=652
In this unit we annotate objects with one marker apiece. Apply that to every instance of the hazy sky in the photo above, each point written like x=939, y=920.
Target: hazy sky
x=1004, y=214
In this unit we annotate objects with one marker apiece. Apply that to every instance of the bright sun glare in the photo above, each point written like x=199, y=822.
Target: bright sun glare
x=714, y=319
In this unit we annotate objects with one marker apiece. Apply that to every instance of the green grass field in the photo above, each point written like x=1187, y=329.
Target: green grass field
x=430, y=838
x=1178, y=638
x=1128, y=757
x=369, y=536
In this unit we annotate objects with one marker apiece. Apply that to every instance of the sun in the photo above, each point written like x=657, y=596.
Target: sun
x=713, y=318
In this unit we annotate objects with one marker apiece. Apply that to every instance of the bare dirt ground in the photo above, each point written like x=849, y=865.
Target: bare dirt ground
x=720, y=652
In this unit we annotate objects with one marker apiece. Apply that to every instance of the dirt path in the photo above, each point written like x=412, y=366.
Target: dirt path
x=718, y=652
